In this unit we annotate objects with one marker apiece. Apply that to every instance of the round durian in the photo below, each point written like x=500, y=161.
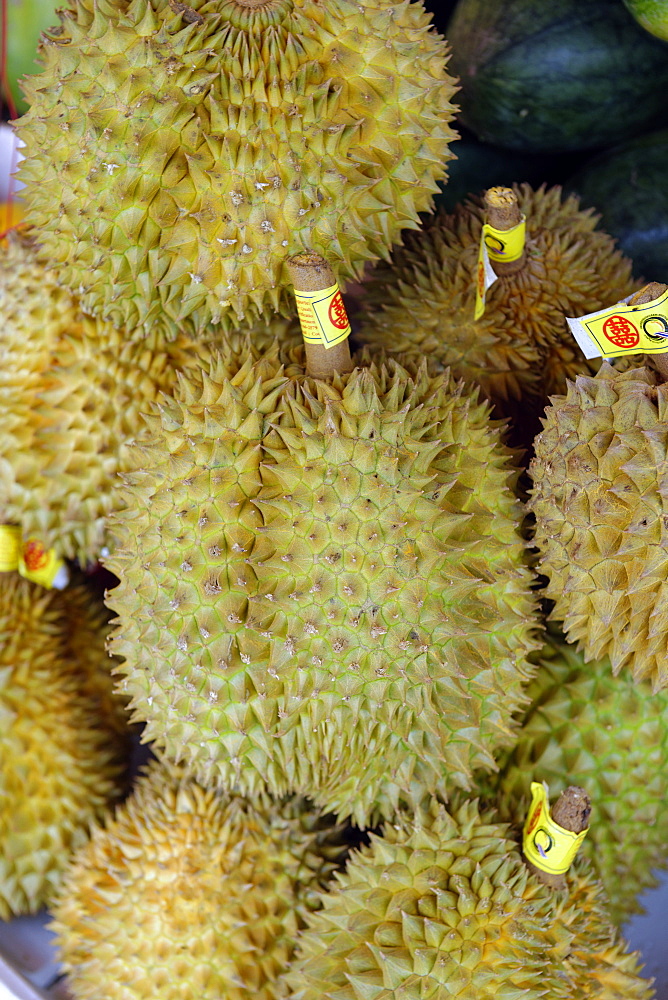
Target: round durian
x=323, y=586
x=607, y=734
x=599, y=499
x=177, y=154
x=520, y=351
x=73, y=394
x=65, y=746
x=188, y=892
x=443, y=906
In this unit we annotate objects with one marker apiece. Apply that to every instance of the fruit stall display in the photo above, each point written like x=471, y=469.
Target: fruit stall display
x=306, y=620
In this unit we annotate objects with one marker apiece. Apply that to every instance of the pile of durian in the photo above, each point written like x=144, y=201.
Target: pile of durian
x=329, y=589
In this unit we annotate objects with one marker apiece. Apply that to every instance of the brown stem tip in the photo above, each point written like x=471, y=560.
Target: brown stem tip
x=655, y=289
x=503, y=212
x=309, y=272
x=648, y=293
x=571, y=811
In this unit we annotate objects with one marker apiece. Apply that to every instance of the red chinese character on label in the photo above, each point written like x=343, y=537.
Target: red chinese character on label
x=35, y=555
x=621, y=331
x=337, y=313
x=534, y=819
x=481, y=279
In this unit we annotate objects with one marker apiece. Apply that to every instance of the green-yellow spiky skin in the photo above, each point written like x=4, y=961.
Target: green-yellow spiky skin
x=323, y=586
x=64, y=746
x=192, y=149
x=607, y=734
x=443, y=906
x=599, y=498
x=521, y=348
x=73, y=394
x=36, y=312
x=188, y=892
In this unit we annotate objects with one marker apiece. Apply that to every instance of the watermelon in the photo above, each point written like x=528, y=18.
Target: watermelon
x=627, y=185
x=558, y=76
x=652, y=15
x=478, y=166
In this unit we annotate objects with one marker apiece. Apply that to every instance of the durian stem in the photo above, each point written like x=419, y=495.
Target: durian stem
x=647, y=294
x=503, y=212
x=571, y=811
x=310, y=272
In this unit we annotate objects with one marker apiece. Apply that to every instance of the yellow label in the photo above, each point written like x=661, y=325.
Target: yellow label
x=31, y=559
x=623, y=329
x=544, y=843
x=323, y=316
x=496, y=245
x=10, y=547
x=505, y=244
x=485, y=277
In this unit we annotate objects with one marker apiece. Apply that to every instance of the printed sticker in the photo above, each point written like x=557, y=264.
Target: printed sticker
x=323, y=316
x=546, y=844
x=31, y=559
x=623, y=329
x=496, y=245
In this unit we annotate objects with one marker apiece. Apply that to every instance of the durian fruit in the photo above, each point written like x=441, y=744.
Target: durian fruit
x=36, y=312
x=608, y=734
x=73, y=394
x=64, y=743
x=599, y=500
x=191, y=893
x=176, y=154
x=323, y=586
x=442, y=905
x=520, y=351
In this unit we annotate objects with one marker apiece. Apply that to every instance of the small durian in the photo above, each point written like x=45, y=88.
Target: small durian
x=64, y=739
x=177, y=154
x=73, y=394
x=323, y=587
x=599, y=499
x=442, y=905
x=520, y=351
x=189, y=892
x=607, y=734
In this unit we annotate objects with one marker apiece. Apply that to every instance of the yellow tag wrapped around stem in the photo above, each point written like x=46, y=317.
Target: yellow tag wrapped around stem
x=548, y=846
x=42, y=565
x=10, y=547
x=323, y=316
x=500, y=246
x=627, y=327
x=505, y=245
x=31, y=559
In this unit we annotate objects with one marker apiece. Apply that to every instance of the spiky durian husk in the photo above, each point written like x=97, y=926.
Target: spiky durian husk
x=521, y=348
x=191, y=892
x=73, y=394
x=322, y=584
x=36, y=312
x=586, y=727
x=599, y=498
x=442, y=905
x=192, y=149
x=64, y=746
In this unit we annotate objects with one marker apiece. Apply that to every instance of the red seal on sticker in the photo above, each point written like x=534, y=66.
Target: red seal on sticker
x=534, y=819
x=481, y=279
x=35, y=555
x=337, y=312
x=621, y=332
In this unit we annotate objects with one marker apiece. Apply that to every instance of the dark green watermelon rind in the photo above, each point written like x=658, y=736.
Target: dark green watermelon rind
x=556, y=77
x=628, y=186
